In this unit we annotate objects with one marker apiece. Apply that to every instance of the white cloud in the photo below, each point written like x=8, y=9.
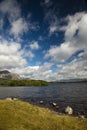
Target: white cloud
x=42, y=72
x=46, y=3
x=52, y=20
x=60, y=53
x=10, y=8
x=10, y=55
x=53, y=25
x=28, y=54
x=19, y=27
x=27, y=71
x=74, y=40
x=34, y=45
x=72, y=70
x=28, y=49
x=1, y=24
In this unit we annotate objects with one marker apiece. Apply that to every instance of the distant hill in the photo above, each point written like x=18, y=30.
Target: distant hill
x=72, y=80
x=5, y=74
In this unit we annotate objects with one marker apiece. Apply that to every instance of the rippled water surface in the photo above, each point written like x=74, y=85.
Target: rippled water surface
x=72, y=94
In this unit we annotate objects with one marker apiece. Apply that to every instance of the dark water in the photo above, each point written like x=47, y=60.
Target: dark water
x=64, y=94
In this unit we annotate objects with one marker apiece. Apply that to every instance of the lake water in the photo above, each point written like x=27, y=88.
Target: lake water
x=64, y=94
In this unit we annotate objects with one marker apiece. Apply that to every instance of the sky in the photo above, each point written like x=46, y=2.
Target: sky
x=44, y=39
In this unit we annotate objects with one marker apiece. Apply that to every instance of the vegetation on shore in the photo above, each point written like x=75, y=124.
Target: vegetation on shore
x=18, y=115
x=23, y=82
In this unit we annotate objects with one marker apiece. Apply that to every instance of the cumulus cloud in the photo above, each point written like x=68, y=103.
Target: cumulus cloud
x=60, y=53
x=18, y=24
x=75, y=38
x=26, y=71
x=54, y=26
x=19, y=27
x=46, y=3
x=42, y=72
x=10, y=55
x=34, y=45
x=75, y=41
x=73, y=70
x=1, y=24
x=28, y=53
x=29, y=49
x=10, y=8
x=52, y=20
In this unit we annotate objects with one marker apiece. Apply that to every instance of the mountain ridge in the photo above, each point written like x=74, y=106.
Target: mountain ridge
x=5, y=74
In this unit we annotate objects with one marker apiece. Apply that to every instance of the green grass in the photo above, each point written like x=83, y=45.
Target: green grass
x=22, y=82
x=18, y=115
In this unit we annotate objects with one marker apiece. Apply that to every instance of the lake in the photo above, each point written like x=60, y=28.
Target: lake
x=64, y=94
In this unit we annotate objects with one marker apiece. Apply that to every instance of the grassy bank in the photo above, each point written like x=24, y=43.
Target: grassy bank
x=18, y=115
x=24, y=82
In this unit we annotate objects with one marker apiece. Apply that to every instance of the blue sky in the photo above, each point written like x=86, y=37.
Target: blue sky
x=44, y=39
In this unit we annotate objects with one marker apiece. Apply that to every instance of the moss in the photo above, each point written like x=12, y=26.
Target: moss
x=18, y=115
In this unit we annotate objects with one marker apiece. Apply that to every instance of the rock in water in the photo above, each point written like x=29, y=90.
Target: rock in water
x=41, y=102
x=54, y=104
x=69, y=110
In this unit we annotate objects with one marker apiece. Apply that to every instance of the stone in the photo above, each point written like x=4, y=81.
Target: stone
x=41, y=102
x=69, y=110
x=57, y=107
x=54, y=104
x=15, y=99
x=9, y=99
x=82, y=116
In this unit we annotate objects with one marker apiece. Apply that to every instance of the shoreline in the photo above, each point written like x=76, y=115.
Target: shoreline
x=52, y=106
x=55, y=108
x=17, y=114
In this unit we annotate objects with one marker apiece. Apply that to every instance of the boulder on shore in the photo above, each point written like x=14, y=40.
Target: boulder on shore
x=8, y=99
x=69, y=110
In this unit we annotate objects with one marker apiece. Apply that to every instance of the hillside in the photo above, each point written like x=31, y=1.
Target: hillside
x=8, y=75
x=11, y=79
x=29, y=117
x=22, y=82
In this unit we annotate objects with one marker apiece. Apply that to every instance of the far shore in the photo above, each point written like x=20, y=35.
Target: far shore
x=23, y=82
x=33, y=83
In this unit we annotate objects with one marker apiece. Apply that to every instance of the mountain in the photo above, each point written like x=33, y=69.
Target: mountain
x=5, y=74
x=73, y=80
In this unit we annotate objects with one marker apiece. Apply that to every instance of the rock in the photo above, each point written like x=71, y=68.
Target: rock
x=8, y=75
x=15, y=99
x=54, y=104
x=69, y=110
x=9, y=99
x=41, y=102
x=82, y=116
x=57, y=107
